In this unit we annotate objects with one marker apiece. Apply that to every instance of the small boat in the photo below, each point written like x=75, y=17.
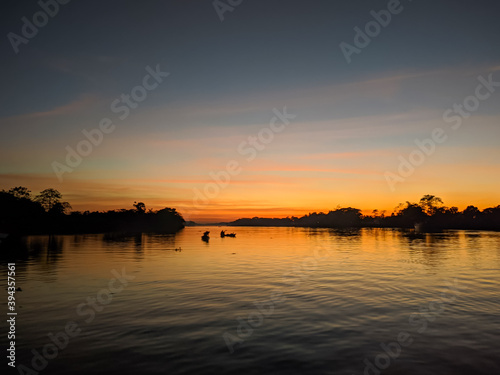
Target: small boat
x=205, y=236
x=224, y=234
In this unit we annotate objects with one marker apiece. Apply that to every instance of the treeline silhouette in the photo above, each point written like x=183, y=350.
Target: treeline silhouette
x=46, y=213
x=428, y=214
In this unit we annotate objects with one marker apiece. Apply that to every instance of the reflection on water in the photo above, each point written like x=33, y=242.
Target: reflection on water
x=340, y=298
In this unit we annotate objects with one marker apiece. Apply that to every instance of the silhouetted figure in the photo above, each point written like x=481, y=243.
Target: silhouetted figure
x=205, y=236
x=224, y=234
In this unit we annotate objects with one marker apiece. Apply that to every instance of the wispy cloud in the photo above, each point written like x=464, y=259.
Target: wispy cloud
x=75, y=107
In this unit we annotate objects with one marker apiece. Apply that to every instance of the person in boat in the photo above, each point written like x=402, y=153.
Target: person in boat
x=222, y=233
x=205, y=236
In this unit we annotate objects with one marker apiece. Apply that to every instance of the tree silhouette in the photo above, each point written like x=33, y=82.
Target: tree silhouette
x=18, y=213
x=46, y=213
x=21, y=214
x=48, y=198
x=430, y=204
x=59, y=208
x=140, y=207
x=20, y=192
x=471, y=212
x=411, y=214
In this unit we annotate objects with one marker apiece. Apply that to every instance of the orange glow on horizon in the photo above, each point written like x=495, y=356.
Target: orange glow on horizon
x=264, y=196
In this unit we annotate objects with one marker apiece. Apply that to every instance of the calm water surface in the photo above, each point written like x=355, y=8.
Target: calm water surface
x=271, y=301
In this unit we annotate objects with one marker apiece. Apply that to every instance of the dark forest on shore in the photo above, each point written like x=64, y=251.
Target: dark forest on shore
x=46, y=213
x=428, y=214
x=21, y=213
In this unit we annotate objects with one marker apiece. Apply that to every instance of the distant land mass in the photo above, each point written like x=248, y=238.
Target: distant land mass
x=428, y=214
x=46, y=213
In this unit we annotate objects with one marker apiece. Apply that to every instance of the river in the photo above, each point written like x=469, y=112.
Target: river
x=270, y=301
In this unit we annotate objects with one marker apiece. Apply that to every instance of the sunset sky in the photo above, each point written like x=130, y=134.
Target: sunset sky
x=227, y=79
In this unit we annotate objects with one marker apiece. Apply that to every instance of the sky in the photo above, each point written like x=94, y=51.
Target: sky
x=252, y=109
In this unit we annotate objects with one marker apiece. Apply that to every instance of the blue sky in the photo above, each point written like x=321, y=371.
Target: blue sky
x=226, y=78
